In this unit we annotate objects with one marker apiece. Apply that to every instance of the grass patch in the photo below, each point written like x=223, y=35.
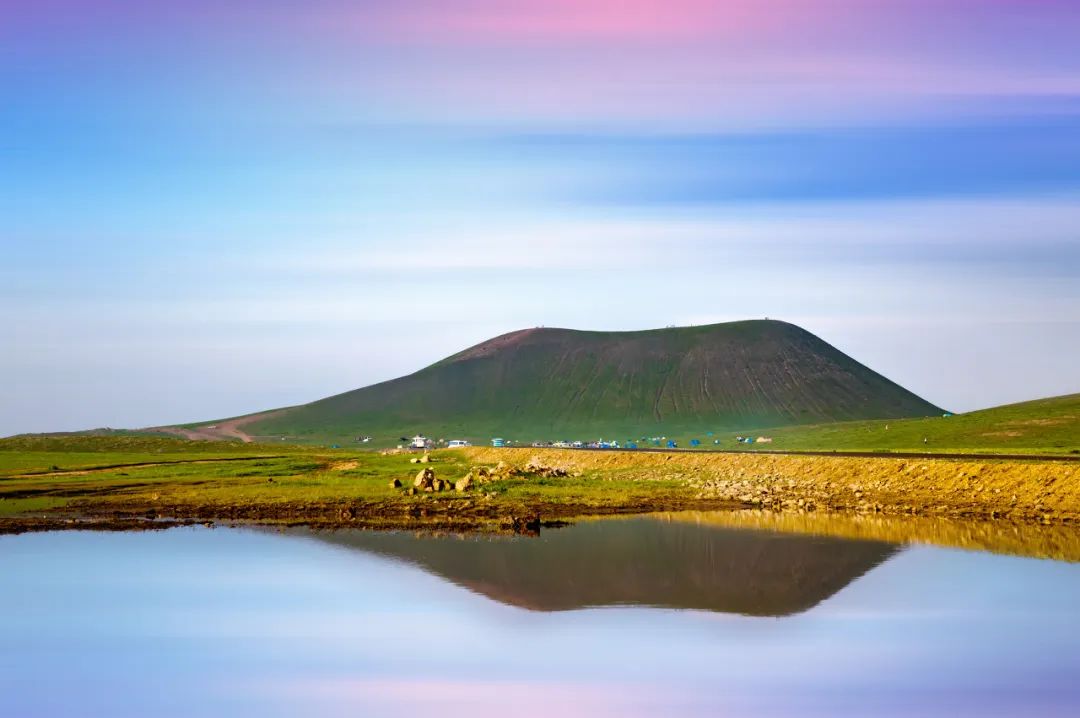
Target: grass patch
x=195, y=479
x=34, y=505
x=1046, y=426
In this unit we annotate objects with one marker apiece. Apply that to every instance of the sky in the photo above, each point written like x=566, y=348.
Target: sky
x=213, y=207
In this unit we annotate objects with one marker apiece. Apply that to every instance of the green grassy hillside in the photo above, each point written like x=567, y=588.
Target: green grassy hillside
x=1046, y=425
x=559, y=383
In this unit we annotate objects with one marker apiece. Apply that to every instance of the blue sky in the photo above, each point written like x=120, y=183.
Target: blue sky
x=208, y=209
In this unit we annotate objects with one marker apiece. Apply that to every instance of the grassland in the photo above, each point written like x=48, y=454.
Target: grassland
x=1041, y=427
x=148, y=482
x=1049, y=426
x=39, y=452
x=80, y=481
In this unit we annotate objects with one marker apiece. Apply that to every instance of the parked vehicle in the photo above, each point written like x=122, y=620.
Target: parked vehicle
x=457, y=443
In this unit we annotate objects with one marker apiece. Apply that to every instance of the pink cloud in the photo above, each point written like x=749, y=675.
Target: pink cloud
x=518, y=22
x=559, y=20
x=473, y=697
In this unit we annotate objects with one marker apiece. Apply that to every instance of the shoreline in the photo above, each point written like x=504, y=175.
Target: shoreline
x=1058, y=542
x=423, y=513
x=518, y=490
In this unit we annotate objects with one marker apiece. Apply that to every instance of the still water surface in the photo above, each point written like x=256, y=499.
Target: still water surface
x=626, y=617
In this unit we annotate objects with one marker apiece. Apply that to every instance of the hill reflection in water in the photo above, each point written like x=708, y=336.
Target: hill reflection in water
x=640, y=561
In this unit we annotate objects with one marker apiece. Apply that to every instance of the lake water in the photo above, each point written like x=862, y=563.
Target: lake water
x=626, y=617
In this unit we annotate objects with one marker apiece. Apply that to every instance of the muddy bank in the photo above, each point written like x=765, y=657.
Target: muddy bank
x=1027, y=491
x=424, y=512
x=1060, y=541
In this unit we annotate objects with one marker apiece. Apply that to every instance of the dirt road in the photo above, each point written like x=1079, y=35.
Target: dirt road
x=227, y=430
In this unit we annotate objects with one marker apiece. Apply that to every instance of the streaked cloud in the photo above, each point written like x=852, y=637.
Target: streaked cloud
x=227, y=190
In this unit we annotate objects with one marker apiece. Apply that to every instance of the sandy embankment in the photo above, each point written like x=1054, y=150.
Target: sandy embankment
x=1019, y=490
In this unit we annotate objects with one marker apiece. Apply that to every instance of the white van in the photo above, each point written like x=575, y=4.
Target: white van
x=457, y=443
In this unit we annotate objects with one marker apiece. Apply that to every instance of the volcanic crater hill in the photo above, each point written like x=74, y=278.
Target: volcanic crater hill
x=552, y=383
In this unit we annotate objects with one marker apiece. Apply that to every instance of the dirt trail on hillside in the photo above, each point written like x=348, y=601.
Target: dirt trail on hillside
x=227, y=430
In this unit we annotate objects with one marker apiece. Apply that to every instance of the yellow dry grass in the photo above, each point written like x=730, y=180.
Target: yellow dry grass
x=1023, y=490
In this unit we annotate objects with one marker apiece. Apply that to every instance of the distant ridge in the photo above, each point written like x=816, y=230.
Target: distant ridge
x=557, y=383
